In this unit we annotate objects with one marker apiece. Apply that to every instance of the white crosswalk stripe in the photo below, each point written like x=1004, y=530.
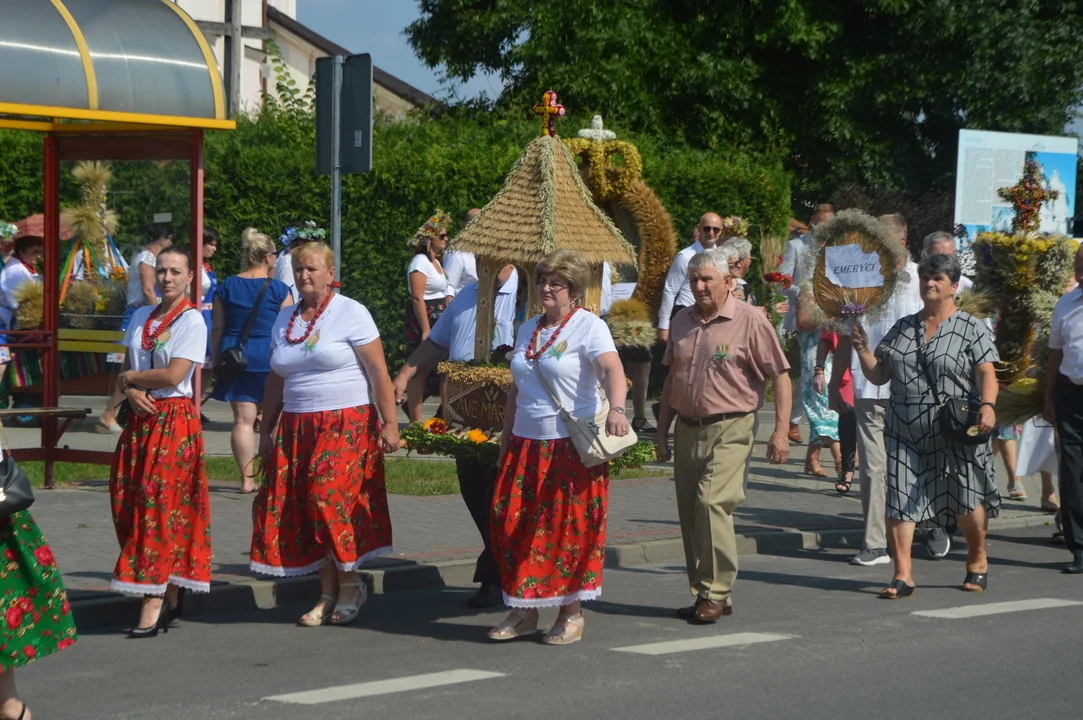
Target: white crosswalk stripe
x=383, y=687
x=707, y=643
x=969, y=611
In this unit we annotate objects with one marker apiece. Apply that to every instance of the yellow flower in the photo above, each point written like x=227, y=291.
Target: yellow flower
x=477, y=436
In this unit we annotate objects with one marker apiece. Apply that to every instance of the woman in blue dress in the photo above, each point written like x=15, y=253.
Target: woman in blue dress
x=233, y=302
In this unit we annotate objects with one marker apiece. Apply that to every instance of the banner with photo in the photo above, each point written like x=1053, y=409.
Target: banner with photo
x=989, y=161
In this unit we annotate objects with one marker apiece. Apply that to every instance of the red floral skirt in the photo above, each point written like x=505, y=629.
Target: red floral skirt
x=323, y=495
x=548, y=524
x=161, y=510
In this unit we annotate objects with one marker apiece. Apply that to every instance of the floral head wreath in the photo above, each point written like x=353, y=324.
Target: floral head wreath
x=438, y=223
x=7, y=230
x=734, y=226
x=306, y=232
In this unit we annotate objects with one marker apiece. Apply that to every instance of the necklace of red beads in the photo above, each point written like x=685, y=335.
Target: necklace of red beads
x=150, y=339
x=532, y=354
x=207, y=267
x=311, y=325
x=33, y=270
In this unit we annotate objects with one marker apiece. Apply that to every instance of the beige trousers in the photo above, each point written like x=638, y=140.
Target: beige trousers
x=872, y=470
x=710, y=466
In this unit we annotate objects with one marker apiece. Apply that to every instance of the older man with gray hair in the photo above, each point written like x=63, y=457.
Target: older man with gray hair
x=739, y=266
x=943, y=243
x=720, y=354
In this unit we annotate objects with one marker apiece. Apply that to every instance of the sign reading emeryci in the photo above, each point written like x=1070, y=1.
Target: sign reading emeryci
x=849, y=267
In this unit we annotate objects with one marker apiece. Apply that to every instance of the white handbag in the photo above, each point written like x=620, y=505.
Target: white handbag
x=588, y=433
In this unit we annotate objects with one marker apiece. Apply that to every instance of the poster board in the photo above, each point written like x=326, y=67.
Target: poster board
x=989, y=161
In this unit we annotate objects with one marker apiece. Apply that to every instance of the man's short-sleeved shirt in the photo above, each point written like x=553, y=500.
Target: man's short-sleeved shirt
x=721, y=365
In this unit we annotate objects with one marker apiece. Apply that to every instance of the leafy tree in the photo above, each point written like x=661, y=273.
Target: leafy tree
x=867, y=92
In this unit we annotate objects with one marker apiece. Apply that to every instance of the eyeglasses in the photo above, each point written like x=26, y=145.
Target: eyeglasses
x=554, y=285
x=711, y=229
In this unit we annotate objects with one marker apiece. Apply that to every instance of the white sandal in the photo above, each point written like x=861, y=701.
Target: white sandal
x=349, y=613
x=515, y=625
x=316, y=616
x=566, y=630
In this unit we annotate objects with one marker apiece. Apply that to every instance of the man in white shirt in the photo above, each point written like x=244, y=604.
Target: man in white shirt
x=870, y=405
x=1064, y=408
x=453, y=337
x=460, y=268
x=792, y=262
x=677, y=293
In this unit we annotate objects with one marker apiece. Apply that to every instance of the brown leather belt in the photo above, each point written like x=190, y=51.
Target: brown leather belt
x=710, y=419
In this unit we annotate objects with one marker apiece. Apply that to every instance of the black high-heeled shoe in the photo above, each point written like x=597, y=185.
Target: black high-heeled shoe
x=162, y=623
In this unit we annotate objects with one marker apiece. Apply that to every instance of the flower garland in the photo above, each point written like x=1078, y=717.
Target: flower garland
x=433, y=227
x=734, y=226
x=836, y=307
x=307, y=232
x=607, y=182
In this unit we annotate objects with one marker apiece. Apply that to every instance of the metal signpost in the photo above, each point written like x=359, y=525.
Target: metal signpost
x=343, y=129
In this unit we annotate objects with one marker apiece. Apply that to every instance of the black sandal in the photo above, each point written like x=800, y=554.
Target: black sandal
x=842, y=485
x=902, y=590
x=981, y=579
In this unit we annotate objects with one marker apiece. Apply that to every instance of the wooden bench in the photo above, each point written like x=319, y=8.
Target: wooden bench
x=49, y=453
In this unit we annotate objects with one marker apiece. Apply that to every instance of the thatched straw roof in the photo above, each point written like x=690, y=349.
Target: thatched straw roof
x=543, y=206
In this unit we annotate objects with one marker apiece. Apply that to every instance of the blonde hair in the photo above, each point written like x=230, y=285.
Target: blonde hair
x=315, y=248
x=571, y=267
x=256, y=247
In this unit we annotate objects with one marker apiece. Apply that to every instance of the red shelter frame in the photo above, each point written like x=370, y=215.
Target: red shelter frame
x=86, y=142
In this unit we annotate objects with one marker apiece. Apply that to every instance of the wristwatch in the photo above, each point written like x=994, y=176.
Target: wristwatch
x=618, y=409
x=992, y=405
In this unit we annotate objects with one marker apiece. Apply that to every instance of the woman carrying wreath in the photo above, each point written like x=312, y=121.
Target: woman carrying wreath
x=929, y=475
x=549, y=510
x=322, y=506
x=158, y=485
x=428, y=297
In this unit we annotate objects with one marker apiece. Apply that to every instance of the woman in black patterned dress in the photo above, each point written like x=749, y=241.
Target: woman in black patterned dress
x=928, y=475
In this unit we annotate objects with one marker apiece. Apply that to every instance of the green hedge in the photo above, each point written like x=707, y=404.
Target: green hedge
x=263, y=175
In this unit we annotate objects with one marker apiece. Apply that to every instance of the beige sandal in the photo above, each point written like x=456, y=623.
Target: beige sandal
x=566, y=630
x=318, y=615
x=348, y=613
x=515, y=625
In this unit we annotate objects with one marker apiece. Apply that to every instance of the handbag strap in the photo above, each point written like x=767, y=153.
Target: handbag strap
x=928, y=373
x=552, y=396
x=4, y=441
x=255, y=311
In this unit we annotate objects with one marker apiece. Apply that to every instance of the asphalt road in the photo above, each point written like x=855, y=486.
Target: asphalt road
x=808, y=639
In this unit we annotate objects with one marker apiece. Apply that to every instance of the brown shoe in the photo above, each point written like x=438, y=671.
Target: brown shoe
x=795, y=434
x=707, y=611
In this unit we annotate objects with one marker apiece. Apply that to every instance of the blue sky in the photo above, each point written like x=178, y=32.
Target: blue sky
x=375, y=26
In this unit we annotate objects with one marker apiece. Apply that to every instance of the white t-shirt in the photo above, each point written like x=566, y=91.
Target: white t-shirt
x=905, y=302
x=436, y=285
x=284, y=272
x=461, y=269
x=324, y=372
x=135, y=280
x=186, y=338
x=1066, y=334
x=457, y=326
x=606, y=300
x=568, y=369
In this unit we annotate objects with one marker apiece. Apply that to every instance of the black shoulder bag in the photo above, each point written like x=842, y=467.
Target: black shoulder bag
x=15, y=492
x=958, y=416
x=232, y=362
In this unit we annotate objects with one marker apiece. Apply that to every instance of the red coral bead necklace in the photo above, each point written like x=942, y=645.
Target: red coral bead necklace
x=150, y=339
x=311, y=326
x=33, y=270
x=531, y=354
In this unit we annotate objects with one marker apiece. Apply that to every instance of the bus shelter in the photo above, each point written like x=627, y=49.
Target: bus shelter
x=118, y=81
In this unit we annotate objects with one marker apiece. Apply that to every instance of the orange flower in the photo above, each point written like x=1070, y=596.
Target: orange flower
x=436, y=426
x=477, y=436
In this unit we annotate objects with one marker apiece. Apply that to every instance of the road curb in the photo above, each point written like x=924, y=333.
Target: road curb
x=109, y=610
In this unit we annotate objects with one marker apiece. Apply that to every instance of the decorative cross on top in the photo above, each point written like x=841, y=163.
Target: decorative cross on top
x=549, y=110
x=597, y=131
x=1027, y=197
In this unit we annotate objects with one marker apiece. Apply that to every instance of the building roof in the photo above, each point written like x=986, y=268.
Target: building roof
x=382, y=78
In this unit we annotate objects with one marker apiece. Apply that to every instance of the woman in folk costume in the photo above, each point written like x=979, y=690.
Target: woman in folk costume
x=322, y=506
x=158, y=484
x=549, y=510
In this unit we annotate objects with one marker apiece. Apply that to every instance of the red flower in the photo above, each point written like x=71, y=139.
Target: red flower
x=24, y=604
x=773, y=277
x=13, y=617
x=65, y=643
x=142, y=562
x=188, y=453
x=787, y=282
x=323, y=467
x=10, y=554
x=30, y=652
x=33, y=592
x=65, y=608
x=529, y=594
x=45, y=556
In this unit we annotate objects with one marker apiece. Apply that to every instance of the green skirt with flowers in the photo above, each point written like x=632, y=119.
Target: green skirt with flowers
x=35, y=618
